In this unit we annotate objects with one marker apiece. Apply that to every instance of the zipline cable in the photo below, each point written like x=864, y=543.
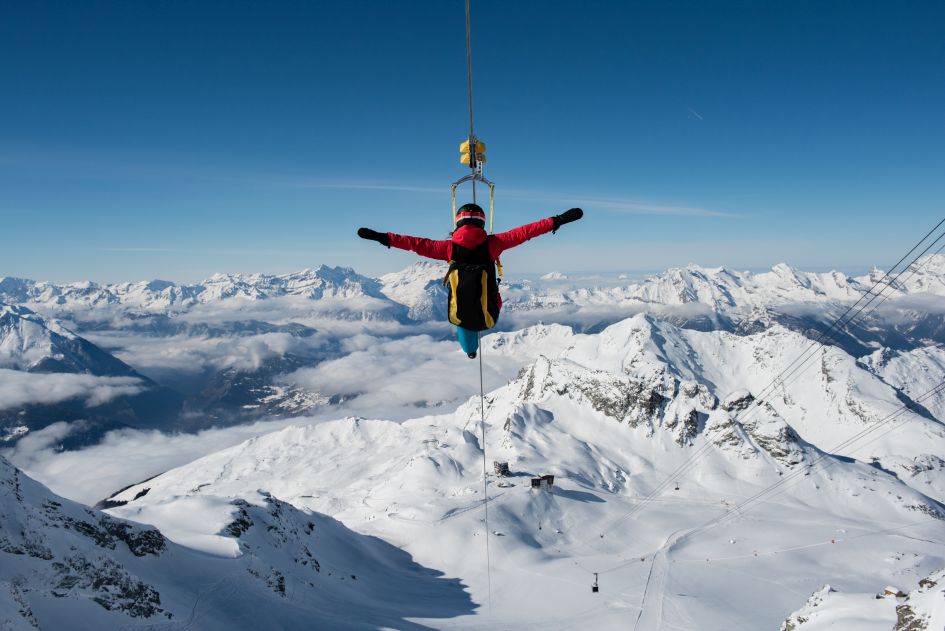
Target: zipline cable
x=482, y=394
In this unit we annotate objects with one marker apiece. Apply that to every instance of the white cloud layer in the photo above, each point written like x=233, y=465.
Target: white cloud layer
x=194, y=354
x=154, y=355
x=18, y=389
x=393, y=378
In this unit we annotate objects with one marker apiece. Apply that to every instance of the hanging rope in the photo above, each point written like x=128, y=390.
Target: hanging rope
x=469, y=69
x=485, y=480
x=472, y=135
x=473, y=150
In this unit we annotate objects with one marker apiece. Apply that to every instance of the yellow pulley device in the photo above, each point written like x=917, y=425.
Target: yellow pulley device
x=472, y=158
x=475, y=159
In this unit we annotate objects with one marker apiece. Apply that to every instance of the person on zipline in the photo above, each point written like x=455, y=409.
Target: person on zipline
x=474, y=300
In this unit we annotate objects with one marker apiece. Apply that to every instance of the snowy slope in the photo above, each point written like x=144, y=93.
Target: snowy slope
x=65, y=566
x=419, y=487
x=612, y=421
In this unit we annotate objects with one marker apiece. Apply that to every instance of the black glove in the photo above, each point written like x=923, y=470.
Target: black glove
x=381, y=237
x=566, y=217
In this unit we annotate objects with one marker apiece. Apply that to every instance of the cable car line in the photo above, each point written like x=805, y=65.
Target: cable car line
x=794, y=371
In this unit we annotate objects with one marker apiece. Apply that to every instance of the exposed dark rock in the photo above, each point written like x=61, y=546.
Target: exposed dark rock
x=107, y=531
x=114, y=588
x=18, y=588
x=241, y=523
x=738, y=401
x=688, y=425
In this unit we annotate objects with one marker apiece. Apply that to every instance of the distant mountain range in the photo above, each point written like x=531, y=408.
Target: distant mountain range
x=719, y=289
x=84, y=328
x=354, y=295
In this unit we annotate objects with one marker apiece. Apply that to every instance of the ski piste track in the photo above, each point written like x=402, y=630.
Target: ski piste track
x=650, y=614
x=651, y=608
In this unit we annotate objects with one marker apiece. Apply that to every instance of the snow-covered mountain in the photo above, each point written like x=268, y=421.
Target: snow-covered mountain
x=420, y=288
x=417, y=288
x=831, y=395
x=613, y=416
x=32, y=343
x=65, y=566
x=722, y=289
x=49, y=374
x=340, y=292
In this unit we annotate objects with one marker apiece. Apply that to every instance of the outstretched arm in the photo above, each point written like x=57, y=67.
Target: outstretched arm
x=432, y=249
x=517, y=236
x=439, y=250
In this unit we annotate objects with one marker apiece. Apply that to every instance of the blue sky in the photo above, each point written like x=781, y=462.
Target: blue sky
x=177, y=139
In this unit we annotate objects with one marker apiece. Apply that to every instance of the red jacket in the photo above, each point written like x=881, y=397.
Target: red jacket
x=471, y=237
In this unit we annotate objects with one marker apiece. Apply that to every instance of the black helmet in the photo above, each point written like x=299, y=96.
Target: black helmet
x=470, y=214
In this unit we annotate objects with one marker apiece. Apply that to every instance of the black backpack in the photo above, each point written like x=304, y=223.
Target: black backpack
x=472, y=288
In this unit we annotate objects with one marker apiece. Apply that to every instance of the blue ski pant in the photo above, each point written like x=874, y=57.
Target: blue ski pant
x=469, y=340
